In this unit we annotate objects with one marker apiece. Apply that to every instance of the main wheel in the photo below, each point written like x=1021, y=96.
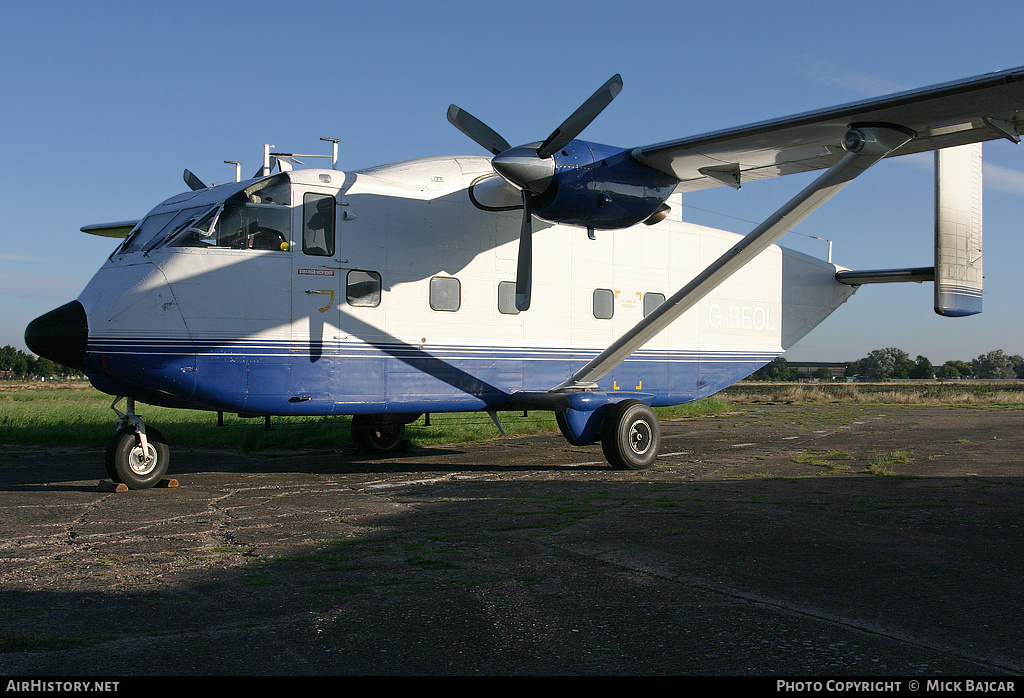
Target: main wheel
x=630, y=435
x=376, y=436
x=129, y=464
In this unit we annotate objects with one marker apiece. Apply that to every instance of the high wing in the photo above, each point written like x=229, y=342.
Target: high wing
x=845, y=140
x=950, y=114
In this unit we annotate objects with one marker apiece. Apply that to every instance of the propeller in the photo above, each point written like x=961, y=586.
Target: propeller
x=524, y=263
x=192, y=181
x=530, y=168
x=581, y=118
x=477, y=130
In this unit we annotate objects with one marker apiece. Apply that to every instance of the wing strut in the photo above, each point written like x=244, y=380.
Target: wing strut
x=865, y=146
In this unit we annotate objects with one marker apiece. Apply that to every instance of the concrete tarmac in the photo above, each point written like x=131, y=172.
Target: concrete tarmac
x=782, y=540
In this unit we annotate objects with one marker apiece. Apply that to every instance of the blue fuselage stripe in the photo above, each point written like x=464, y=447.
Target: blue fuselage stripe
x=288, y=378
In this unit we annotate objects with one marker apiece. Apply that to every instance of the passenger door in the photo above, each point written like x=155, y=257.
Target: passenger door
x=317, y=290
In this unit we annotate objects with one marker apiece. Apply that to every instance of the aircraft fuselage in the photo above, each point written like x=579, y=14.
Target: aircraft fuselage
x=391, y=290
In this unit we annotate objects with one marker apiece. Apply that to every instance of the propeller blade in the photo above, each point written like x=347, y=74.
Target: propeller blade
x=580, y=118
x=477, y=130
x=193, y=182
x=524, y=266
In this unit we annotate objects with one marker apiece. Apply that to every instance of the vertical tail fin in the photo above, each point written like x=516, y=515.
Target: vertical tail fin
x=958, y=271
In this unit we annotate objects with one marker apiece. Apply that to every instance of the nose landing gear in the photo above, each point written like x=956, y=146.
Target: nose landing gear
x=137, y=455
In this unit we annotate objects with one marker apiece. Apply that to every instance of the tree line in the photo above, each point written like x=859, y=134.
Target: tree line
x=15, y=363
x=882, y=364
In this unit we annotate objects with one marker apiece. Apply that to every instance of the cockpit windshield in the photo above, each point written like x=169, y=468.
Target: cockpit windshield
x=256, y=218
x=147, y=230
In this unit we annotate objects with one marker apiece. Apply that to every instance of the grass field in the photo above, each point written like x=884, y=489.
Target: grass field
x=953, y=393
x=75, y=414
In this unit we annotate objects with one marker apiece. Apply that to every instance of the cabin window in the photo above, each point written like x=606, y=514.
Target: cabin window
x=445, y=293
x=652, y=301
x=362, y=288
x=507, y=298
x=318, y=224
x=604, y=303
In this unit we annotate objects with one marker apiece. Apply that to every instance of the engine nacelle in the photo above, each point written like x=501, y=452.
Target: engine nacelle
x=598, y=186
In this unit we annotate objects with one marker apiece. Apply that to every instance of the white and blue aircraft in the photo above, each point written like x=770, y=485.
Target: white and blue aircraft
x=550, y=276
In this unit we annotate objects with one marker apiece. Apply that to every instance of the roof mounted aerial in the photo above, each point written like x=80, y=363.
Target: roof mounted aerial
x=238, y=169
x=334, y=151
x=286, y=161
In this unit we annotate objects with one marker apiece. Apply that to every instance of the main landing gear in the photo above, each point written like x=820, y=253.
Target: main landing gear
x=630, y=435
x=137, y=455
x=628, y=430
x=379, y=433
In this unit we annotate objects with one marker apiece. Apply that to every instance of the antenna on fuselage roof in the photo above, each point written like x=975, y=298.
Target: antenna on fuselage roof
x=285, y=161
x=334, y=151
x=238, y=169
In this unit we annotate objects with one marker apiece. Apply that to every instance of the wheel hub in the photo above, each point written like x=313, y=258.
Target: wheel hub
x=142, y=462
x=640, y=437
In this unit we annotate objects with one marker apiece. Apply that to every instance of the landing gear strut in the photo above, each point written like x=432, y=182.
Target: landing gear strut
x=138, y=455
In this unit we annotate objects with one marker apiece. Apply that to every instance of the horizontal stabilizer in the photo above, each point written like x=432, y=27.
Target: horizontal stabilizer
x=886, y=276
x=110, y=230
x=958, y=273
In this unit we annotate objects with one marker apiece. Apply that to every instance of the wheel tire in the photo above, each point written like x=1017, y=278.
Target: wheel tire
x=374, y=436
x=126, y=465
x=630, y=435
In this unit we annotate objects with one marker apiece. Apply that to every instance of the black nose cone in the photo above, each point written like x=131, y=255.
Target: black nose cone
x=60, y=335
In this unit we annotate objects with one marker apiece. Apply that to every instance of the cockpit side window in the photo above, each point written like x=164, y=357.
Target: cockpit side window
x=245, y=226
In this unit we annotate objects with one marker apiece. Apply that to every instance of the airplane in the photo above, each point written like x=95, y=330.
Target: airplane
x=556, y=275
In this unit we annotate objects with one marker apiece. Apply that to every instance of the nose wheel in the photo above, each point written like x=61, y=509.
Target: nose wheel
x=137, y=456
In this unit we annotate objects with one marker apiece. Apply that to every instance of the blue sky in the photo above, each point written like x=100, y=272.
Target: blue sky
x=103, y=104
